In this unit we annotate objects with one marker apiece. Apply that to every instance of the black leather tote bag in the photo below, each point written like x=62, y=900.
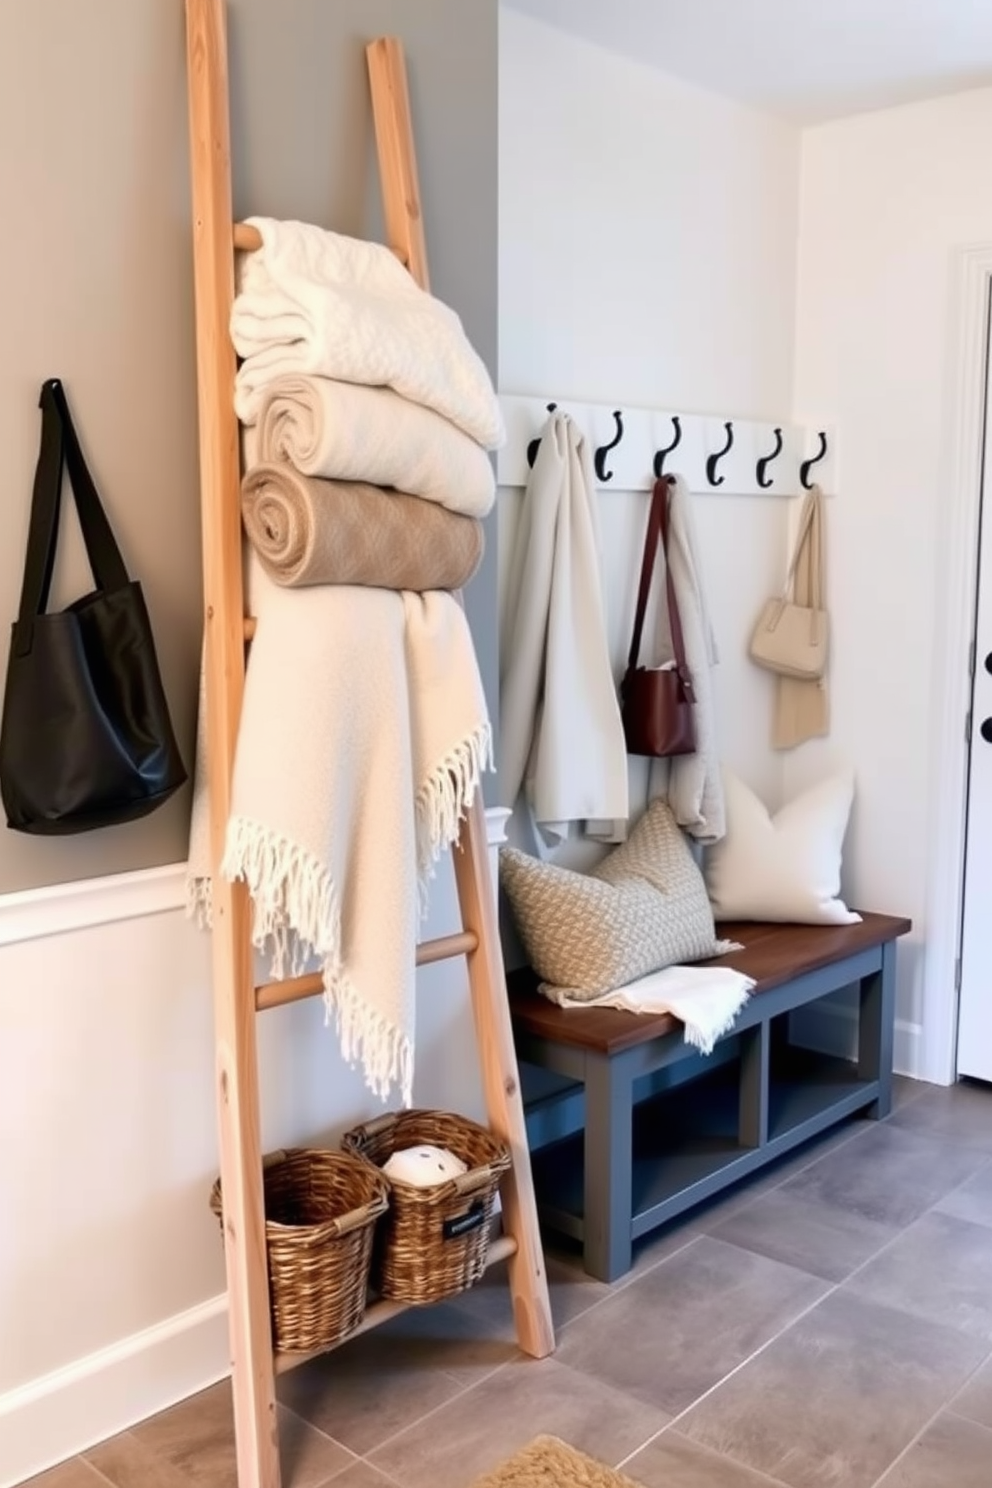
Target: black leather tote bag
x=85, y=738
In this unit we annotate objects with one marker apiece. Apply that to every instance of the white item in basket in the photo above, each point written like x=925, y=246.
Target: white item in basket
x=424, y=1166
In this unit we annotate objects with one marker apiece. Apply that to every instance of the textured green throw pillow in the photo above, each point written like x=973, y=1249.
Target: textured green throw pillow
x=643, y=907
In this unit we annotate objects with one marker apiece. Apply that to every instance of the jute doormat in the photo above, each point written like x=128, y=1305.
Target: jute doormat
x=550, y=1463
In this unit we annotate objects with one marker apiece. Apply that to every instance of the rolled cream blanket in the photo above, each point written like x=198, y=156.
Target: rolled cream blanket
x=310, y=531
x=344, y=431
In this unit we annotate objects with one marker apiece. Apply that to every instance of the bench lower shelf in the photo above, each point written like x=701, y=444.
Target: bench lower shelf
x=685, y=1145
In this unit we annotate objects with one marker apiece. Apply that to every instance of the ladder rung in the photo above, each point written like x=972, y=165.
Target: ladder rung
x=247, y=239
x=446, y=947
x=294, y=989
x=382, y=1312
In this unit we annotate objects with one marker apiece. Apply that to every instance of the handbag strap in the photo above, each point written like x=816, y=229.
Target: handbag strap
x=658, y=529
x=60, y=450
x=809, y=516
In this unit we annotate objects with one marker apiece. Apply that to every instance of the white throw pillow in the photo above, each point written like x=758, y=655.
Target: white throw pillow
x=786, y=867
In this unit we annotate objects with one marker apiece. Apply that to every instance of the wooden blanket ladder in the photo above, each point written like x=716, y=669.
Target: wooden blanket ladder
x=236, y=998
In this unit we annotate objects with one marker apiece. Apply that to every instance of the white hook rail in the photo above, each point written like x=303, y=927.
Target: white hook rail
x=628, y=466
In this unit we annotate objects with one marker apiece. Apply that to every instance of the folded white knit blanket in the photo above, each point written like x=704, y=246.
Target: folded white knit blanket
x=706, y=999
x=362, y=739
x=343, y=431
x=311, y=301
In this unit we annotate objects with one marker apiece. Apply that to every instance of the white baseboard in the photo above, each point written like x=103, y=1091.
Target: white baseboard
x=832, y=1028
x=60, y=1414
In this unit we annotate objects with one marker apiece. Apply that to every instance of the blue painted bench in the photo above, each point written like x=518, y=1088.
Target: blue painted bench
x=629, y=1127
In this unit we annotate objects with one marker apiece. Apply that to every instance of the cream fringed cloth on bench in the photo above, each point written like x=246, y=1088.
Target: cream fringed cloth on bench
x=363, y=736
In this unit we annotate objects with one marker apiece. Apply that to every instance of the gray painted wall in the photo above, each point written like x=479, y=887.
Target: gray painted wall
x=95, y=254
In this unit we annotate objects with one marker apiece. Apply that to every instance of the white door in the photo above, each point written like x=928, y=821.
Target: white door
x=975, y=1011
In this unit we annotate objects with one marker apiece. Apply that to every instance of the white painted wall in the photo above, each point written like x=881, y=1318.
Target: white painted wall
x=887, y=200
x=647, y=256
x=111, y=1267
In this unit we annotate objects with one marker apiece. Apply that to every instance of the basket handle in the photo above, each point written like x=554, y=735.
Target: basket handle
x=359, y=1217
x=378, y=1124
x=271, y=1158
x=478, y=1178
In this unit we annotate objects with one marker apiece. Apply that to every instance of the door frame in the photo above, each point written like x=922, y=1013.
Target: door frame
x=956, y=598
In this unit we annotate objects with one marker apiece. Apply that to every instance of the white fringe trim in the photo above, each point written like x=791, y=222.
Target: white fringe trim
x=444, y=797
x=296, y=913
x=706, y=1039
x=199, y=900
x=297, y=918
x=368, y=1038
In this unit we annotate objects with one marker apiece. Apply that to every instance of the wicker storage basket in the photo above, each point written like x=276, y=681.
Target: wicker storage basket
x=433, y=1241
x=320, y=1214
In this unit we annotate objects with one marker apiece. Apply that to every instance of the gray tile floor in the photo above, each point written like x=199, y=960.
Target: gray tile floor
x=827, y=1323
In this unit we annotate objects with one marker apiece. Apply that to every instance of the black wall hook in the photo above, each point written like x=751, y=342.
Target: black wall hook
x=659, y=459
x=764, y=481
x=807, y=465
x=535, y=444
x=714, y=460
x=604, y=449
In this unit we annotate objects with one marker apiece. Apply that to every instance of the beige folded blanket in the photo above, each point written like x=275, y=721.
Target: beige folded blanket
x=344, y=431
x=310, y=531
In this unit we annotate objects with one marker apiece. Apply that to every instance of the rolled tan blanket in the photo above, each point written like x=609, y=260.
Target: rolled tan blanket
x=309, y=531
x=345, y=431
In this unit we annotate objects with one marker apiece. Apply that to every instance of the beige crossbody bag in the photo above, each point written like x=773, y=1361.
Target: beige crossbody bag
x=789, y=638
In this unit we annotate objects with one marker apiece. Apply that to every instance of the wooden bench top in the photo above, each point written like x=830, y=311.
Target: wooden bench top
x=772, y=954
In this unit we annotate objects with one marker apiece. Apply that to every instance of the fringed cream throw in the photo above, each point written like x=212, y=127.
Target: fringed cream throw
x=363, y=736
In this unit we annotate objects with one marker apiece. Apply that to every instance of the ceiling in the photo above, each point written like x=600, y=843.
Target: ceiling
x=808, y=60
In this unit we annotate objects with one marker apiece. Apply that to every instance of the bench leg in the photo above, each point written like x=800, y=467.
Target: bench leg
x=876, y=1029
x=752, y=1122
x=608, y=1167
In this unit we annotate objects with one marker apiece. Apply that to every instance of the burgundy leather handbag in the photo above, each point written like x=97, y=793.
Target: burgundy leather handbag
x=656, y=702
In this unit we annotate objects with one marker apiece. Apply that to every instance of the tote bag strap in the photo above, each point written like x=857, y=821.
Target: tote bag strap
x=674, y=618
x=809, y=514
x=59, y=449
x=106, y=561
x=658, y=532
x=647, y=565
x=815, y=540
x=42, y=528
